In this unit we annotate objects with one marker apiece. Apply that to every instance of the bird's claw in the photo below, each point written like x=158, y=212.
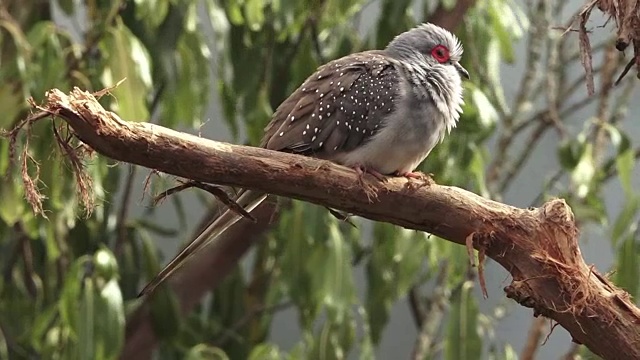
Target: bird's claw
x=369, y=189
x=417, y=179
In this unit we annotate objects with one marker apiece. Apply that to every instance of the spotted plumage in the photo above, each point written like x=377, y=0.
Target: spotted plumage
x=382, y=111
x=336, y=109
x=342, y=112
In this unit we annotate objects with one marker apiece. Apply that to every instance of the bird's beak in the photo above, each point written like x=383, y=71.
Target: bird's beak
x=463, y=72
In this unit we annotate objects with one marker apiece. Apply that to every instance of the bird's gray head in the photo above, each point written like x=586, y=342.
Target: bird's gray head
x=428, y=45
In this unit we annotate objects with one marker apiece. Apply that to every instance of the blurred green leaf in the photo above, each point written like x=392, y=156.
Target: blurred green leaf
x=86, y=342
x=333, y=341
x=462, y=340
x=12, y=103
x=110, y=327
x=590, y=208
x=395, y=20
x=505, y=27
x=625, y=162
x=41, y=326
x=569, y=154
x=486, y=111
x=69, y=302
x=49, y=66
x=265, y=351
x=165, y=313
x=13, y=204
x=105, y=264
x=126, y=58
x=4, y=349
x=338, y=279
x=234, y=12
x=188, y=102
x=66, y=6
x=583, y=174
x=477, y=169
x=152, y=12
x=165, y=310
x=628, y=266
x=624, y=224
x=393, y=268
x=254, y=13
x=206, y=352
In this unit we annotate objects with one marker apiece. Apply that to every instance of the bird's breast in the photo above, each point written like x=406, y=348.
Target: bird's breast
x=406, y=139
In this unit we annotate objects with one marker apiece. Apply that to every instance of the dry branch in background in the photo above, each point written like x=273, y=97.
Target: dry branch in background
x=539, y=247
x=626, y=15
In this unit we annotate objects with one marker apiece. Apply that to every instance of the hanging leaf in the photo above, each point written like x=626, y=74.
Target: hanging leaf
x=625, y=162
x=126, y=58
x=265, y=351
x=628, y=266
x=393, y=268
x=624, y=224
x=462, y=340
x=206, y=352
x=582, y=175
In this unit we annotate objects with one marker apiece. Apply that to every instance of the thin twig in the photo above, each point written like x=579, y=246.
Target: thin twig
x=599, y=134
x=537, y=34
x=551, y=183
x=533, y=339
x=520, y=160
x=540, y=20
x=553, y=82
x=416, y=306
x=435, y=308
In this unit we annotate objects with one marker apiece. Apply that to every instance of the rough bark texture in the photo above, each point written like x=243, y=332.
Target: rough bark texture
x=539, y=247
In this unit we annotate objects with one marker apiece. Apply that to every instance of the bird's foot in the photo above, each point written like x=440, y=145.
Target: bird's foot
x=361, y=170
x=417, y=179
x=369, y=189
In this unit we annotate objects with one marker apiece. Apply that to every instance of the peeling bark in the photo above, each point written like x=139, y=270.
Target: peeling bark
x=539, y=247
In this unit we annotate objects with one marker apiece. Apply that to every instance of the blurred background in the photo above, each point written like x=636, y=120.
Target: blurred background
x=310, y=286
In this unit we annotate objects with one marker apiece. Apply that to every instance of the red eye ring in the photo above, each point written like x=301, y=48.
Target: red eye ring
x=440, y=53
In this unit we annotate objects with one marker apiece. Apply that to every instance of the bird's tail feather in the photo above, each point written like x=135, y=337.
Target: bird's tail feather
x=248, y=199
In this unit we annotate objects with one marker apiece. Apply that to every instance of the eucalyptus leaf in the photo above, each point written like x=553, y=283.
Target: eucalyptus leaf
x=127, y=61
x=625, y=224
x=265, y=351
x=584, y=172
x=110, y=322
x=462, y=340
x=625, y=163
x=206, y=352
x=628, y=265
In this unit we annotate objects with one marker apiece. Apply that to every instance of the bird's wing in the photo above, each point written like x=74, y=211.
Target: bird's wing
x=337, y=108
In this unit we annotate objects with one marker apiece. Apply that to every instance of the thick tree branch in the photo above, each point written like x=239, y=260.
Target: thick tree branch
x=539, y=247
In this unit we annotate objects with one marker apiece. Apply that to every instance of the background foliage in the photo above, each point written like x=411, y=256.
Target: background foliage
x=70, y=277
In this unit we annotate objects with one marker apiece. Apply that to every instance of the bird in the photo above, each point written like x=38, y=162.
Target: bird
x=378, y=111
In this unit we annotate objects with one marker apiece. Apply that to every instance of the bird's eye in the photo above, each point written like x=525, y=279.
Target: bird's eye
x=440, y=53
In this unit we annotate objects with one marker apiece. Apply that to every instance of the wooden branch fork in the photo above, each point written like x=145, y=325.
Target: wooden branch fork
x=538, y=247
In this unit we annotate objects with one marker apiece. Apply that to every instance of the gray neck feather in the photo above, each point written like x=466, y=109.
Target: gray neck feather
x=438, y=83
